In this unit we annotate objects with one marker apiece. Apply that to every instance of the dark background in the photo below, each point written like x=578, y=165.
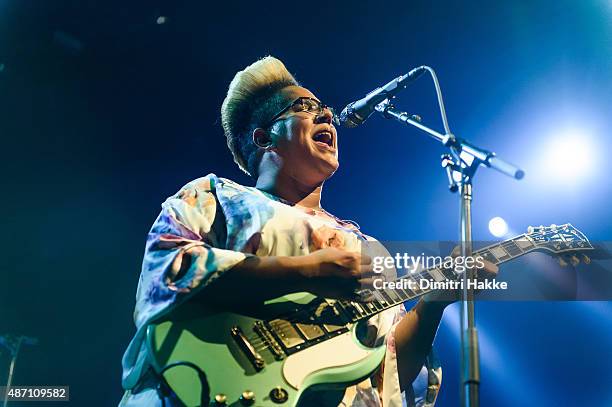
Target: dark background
x=104, y=113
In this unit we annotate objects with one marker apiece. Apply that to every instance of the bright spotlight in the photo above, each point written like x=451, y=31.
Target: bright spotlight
x=498, y=227
x=569, y=157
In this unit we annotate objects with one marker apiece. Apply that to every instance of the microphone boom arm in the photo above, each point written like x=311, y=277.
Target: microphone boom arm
x=485, y=157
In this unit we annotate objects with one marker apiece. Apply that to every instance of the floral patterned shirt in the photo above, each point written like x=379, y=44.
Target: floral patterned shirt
x=211, y=225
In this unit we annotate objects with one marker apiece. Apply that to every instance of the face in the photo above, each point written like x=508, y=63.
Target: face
x=306, y=144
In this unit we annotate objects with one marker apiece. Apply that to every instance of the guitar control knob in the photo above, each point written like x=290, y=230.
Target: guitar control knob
x=279, y=395
x=220, y=400
x=247, y=398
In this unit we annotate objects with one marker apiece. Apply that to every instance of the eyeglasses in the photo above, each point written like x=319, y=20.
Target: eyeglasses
x=304, y=104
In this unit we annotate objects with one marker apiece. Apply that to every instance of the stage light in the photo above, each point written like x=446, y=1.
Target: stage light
x=569, y=157
x=498, y=227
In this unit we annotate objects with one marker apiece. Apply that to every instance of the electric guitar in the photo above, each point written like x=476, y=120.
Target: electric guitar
x=292, y=347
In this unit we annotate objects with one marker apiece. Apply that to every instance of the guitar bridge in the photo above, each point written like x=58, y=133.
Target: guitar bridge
x=266, y=336
x=244, y=344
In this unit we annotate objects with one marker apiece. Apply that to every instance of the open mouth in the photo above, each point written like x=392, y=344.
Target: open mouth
x=324, y=138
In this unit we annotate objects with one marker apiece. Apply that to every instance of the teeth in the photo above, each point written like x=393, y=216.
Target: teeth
x=324, y=137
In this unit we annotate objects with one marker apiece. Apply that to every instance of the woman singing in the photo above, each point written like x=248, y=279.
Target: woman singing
x=227, y=245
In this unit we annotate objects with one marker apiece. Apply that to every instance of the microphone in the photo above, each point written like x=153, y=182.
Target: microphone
x=355, y=113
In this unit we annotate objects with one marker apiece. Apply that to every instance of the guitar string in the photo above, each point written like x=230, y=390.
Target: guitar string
x=506, y=246
x=302, y=314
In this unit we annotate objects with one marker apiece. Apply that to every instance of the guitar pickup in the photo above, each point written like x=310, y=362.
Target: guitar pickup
x=286, y=333
x=310, y=332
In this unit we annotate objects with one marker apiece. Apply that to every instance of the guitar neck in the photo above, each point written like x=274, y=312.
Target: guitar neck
x=383, y=299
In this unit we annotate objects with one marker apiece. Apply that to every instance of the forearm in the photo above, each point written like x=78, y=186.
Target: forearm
x=414, y=336
x=257, y=279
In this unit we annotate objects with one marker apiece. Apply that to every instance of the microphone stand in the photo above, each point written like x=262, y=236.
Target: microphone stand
x=13, y=344
x=460, y=164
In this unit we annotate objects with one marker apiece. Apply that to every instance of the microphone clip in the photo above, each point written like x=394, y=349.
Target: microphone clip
x=384, y=107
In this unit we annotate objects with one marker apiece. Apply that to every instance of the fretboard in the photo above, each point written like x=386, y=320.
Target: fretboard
x=382, y=299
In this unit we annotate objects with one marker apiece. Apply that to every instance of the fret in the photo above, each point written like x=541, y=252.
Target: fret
x=379, y=294
x=487, y=255
x=371, y=307
x=406, y=291
x=349, y=309
x=415, y=286
x=408, y=286
x=512, y=249
x=390, y=296
x=391, y=299
x=448, y=273
x=427, y=275
x=393, y=296
x=524, y=243
x=376, y=302
x=436, y=274
x=499, y=253
x=360, y=310
x=410, y=295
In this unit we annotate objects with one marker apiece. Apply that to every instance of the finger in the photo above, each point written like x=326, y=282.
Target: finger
x=456, y=251
x=367, y=271
x=350, y=260
x=348, y=287
x=367, y=282
x=490, y=268
x=364, y=294
x=488, y=271
x=365, y=259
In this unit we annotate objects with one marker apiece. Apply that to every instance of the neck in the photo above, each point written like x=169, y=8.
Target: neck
x=291, y=189
x=409, y=284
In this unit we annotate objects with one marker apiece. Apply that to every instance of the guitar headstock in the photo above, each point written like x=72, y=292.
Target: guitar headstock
x=559, y=239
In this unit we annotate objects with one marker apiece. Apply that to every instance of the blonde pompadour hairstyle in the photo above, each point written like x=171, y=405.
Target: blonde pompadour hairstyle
x=252, y=99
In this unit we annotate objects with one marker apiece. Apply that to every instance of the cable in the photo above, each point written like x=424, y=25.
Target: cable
x=204, y=392
x=454, y=151
x=432, y=73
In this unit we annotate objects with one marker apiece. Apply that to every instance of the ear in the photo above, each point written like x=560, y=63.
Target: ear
x=262, y=138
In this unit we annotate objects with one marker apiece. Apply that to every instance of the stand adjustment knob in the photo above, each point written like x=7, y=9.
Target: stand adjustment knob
x=247, y=398
x=279, y=395
x=220, y=400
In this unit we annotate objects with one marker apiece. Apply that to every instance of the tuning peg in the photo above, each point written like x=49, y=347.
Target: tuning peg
x=562, y=262
x=586, y=259
x=574, y=260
